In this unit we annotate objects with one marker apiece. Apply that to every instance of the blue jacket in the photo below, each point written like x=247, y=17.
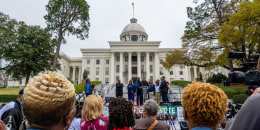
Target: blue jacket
x=152, y=88
x=137, y=84
x=201, y=128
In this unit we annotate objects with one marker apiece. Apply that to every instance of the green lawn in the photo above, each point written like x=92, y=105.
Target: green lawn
x=9, y=91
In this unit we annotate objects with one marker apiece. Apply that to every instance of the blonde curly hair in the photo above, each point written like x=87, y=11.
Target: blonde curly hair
x=93, y=108
x=204, y=104
x=48, y=97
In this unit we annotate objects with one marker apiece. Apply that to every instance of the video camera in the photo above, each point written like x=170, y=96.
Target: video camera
x=250, y=77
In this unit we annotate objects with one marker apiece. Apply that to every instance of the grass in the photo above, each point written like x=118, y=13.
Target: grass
x=9, y=91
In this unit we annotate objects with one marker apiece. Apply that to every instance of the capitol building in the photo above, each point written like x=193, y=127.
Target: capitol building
x=131, y=57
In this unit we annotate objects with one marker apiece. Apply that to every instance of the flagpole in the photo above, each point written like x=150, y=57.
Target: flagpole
x=133, y=9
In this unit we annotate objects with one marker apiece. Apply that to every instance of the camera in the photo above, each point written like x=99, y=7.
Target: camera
x=251, y=77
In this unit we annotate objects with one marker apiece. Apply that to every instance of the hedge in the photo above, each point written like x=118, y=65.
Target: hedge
x=96, y=83
x=241, y=98
x=81, y=87
x=181, y=83
x=230, y=92
x=7, y=98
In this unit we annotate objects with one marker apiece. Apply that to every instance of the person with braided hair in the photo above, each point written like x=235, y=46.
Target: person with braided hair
x=120, y=114
x=204, y=106
x=49, y=102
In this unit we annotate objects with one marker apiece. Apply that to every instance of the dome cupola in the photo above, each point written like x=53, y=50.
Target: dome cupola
x=133, y=32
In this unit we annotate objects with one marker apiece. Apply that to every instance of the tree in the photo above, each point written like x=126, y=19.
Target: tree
x=241, y=32
x=200, y=33
x=27, y=49
x=67, y=17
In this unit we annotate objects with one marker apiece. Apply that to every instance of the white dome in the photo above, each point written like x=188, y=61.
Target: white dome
x=133, y=27
x=133, y=32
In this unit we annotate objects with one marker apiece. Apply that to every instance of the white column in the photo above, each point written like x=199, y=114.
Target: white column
x=112, y=68
x=156, y=66
x=147, y=66
x=129, y=65
x=73, y=74
x=138, y=64
x=80, y=73
x=121, y=68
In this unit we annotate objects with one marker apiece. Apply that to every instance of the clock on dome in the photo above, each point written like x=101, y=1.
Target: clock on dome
x=134, y=38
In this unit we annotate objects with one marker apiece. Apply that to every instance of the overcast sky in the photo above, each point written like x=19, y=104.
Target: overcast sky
x=163, y=20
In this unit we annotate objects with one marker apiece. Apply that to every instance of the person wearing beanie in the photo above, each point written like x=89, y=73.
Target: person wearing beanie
x=49, y=102
x=12, y=113
x=204, y=106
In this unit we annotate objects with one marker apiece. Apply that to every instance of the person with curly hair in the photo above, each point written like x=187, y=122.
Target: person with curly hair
x=204, y=106
x=120, y=114
x=49, y=102
x=92, y=118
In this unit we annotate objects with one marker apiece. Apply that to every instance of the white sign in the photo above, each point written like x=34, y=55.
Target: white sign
x=180, y=113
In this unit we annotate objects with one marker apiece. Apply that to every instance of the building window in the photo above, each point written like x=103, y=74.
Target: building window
x=181, y=72
x=21, y=82
x=97, y=79
x=142, y=68
x=97, y=71
x=117, y=78
x=161, y=60
x=117, y=68
x=181, y=78
x=134, y=58
x=126, y=68
x=161, y=70
x=171, y=72
x=88, y=61
x=126, y=58
x=150, y=58
x=117, y=58
x=107, y=62
x=107, y=71
x=142, y=58
x=107, y=80
x=97, y=61
x=151, y=78
x=151, y=68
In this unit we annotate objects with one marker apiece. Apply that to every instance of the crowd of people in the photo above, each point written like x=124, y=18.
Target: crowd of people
x=48, y=103
x=135, y=88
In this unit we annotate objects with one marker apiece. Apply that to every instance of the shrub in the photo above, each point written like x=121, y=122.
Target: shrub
x=240, y=90
x=181, y=83
x=230, y=92
x=216, y=78
x=79, y=88
x=7, y=98
x=209, y=80
x=96, y=83
x=241, y=98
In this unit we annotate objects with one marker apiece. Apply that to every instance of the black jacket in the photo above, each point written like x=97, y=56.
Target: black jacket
x=142, y=83
x=129, y=89
x=119, y=87
x=163, y=86
x=12, y=115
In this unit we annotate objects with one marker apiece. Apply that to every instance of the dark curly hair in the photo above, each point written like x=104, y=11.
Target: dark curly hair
x=120, y=113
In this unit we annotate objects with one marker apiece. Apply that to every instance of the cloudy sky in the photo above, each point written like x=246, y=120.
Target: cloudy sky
x=163, y=20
